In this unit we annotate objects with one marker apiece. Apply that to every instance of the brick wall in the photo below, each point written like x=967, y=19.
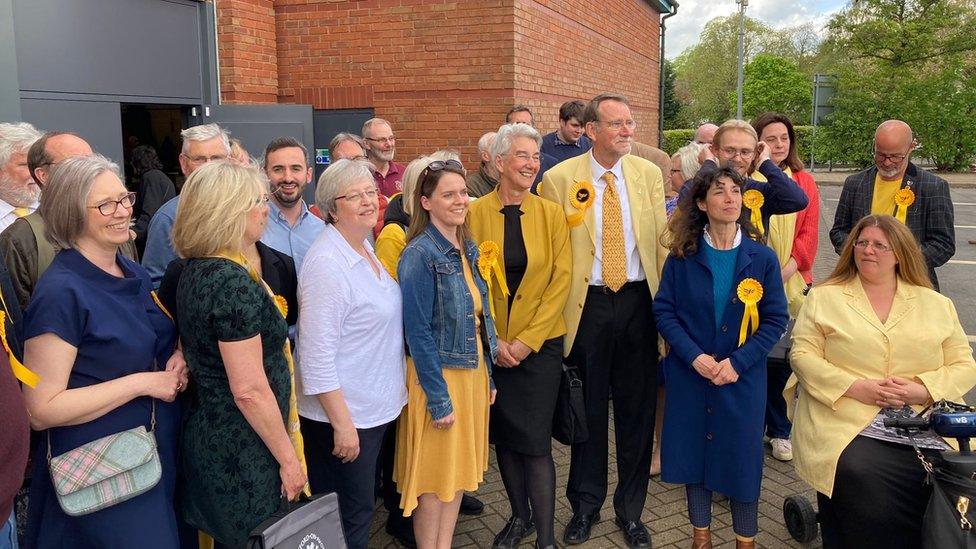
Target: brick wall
x=442, y=71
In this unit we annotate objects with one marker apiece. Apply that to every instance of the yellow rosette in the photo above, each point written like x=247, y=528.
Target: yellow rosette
x=754, y=200
x=903, y=199
x=580, y=197
x=282, y=304
x=749, y=292
x=488, y=265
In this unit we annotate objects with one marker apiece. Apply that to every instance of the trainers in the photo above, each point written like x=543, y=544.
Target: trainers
x=782, y=448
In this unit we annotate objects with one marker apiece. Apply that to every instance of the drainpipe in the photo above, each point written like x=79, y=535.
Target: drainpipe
x=660, y=117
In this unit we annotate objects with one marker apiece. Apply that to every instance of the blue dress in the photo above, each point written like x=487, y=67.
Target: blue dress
x=118, y=330
x=713, y=435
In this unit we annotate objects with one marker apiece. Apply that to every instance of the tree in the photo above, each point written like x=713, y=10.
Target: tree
x=907, y=59
x=672, y=105
x=775, y=84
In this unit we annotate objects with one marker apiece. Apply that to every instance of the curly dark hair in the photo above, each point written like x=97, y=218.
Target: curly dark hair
x=144, y=158
x=688, y=221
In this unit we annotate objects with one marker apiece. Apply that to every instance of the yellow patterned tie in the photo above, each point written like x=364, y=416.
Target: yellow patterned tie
x=21, y=212
x=614, y=256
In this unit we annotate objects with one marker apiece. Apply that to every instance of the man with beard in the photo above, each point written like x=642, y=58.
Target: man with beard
x=380, y=148
x=18, y=191
x=895, y=186
x=291, y=227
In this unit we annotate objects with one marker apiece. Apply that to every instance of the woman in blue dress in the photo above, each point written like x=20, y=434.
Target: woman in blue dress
x=721, y=308
x=104, y=352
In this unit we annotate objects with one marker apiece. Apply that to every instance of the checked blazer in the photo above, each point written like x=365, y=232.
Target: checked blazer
x=930, y=218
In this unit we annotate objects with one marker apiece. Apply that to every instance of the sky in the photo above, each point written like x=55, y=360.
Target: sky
x=683, y=29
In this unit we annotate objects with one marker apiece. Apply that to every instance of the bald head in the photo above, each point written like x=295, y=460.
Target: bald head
x=53, y=148
x=705, y=133
x=893, y=144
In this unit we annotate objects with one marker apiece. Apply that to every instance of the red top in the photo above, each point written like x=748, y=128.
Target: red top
x=807, y=227
x=392, y=183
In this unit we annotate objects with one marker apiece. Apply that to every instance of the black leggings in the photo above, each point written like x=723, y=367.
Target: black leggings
x=530, y=482
x=879, y=497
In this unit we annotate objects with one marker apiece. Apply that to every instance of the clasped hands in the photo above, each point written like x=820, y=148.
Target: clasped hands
x=718, y=372
x=511, y=354
x=891, y=392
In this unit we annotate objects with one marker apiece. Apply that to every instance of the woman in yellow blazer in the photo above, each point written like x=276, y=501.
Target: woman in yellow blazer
x=525, y=257
x=869, y=339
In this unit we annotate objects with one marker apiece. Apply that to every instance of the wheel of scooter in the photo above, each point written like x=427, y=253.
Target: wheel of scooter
x=800, y=518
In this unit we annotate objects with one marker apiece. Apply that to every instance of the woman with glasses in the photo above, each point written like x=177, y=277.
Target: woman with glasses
x=721, y=308
x=105, y=356
x=529, y=283
x=442, y=442
x=870, y=339
x=241, y=449
x=350, y=348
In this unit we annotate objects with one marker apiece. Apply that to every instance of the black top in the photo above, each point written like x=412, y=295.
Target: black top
x=277, y=269
x=154, y=190
x=516, y=258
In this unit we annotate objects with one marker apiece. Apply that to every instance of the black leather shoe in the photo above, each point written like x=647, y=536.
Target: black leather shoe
x=635, y=534
x=578, y=529
x=471, y=505
x=401, y=529
x=511, y=535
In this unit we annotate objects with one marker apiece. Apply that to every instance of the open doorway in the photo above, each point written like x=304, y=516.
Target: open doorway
x=157, y=126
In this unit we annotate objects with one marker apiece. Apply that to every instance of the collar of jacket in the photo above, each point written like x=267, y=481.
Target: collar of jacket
x=443, y=245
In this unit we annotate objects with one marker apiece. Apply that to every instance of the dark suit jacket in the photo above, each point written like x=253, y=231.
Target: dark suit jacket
x=277, y=269
x=930, y=218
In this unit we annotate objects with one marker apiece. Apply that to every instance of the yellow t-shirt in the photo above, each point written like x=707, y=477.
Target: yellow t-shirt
x=883, y=201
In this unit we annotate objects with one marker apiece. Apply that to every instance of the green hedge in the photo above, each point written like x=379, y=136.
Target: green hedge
x=675, y=139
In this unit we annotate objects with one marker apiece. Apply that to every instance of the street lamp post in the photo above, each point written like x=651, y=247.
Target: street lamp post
x=743, y=4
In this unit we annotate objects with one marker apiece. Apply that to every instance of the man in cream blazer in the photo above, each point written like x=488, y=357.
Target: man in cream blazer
x=615, y=238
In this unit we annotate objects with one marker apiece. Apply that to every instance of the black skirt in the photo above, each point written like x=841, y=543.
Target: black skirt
x=521, y=418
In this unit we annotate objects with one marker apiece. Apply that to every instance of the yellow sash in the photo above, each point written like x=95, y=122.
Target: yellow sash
x=21, y=372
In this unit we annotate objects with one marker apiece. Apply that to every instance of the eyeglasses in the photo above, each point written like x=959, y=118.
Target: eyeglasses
x=733, y=152
x=525, y=157
x=352, y=198
x=205, y=159
x=877, y=246
x=439, y=165
x=675, y=170
x=617, y=124
x=109, y=207
x=383, y=140
x=897, y=158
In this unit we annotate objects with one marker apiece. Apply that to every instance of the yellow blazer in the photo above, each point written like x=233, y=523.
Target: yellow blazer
x=645, y=192
x=536, y=313
x=838, y=339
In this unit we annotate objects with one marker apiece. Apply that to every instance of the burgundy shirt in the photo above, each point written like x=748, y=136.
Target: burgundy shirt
x=14, y=437
x=392, y=183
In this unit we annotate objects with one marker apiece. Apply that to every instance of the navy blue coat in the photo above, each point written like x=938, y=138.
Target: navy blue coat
x=713, y=435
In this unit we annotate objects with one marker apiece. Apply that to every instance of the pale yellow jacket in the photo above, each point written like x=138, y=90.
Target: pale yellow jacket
x=645, y=193
x=838, y=339
x=536, y=313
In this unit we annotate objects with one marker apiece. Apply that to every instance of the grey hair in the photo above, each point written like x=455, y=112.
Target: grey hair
x=342, y=137
x=507, y=135
x=374, y=122
x=204, y=132
x=64, y=202
x=484, y=144
x=338, y=177
x=15, y=138
x=689, y=159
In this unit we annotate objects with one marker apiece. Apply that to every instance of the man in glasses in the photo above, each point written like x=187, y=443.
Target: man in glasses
x=348, y=146
x=895, y=186
x=201, y=144
x=291, y=227
x=380, y=149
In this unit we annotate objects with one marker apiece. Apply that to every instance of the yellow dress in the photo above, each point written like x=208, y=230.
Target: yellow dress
x=444, y=461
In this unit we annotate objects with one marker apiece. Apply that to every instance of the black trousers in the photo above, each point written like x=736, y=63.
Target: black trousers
x=879, y=497
x=778, y=424
x=615, y=348
x=355, y=482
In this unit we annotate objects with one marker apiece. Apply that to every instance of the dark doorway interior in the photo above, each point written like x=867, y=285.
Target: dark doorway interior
x=159, y=127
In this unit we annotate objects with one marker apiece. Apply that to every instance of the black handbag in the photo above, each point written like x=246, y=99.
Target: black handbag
x=310, y=523
x=569, y=419
x=951, y=512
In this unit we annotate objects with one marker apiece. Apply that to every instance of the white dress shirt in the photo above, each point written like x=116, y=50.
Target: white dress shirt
x=634, y=269
x=350, y=334
x=7, y=215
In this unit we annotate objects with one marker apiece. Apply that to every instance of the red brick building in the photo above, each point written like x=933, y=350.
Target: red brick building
x=442, y=71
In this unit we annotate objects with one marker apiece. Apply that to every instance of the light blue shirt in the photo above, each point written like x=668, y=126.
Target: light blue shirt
x=159, y=243
x=292, y=241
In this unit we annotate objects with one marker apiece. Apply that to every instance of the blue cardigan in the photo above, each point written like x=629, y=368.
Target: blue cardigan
x=713, y=435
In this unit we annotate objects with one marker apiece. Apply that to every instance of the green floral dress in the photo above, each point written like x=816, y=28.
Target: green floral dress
x=231, y=480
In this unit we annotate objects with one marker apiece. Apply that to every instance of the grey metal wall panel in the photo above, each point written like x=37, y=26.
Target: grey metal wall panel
x=99, y=123
x=9, y=99
x=147, y=48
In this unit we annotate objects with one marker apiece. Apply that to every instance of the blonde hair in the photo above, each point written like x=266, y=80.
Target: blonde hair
x=410, y=175
x=910, y=265
x=733, y=125
x=212, y=215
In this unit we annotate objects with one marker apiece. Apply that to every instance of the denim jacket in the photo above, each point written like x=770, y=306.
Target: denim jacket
x=438, y=314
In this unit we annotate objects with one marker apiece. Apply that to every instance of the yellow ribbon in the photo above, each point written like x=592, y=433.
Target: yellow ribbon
x=21, y=372
x=903, y=199
x=489, y=265
x=749, y=292
x=754, y=200
x=580, y=197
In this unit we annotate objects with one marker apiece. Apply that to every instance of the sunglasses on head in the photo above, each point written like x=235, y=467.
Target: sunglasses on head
x=439, y=165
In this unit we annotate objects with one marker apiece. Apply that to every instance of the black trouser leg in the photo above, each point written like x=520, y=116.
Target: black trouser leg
x=778, y=424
